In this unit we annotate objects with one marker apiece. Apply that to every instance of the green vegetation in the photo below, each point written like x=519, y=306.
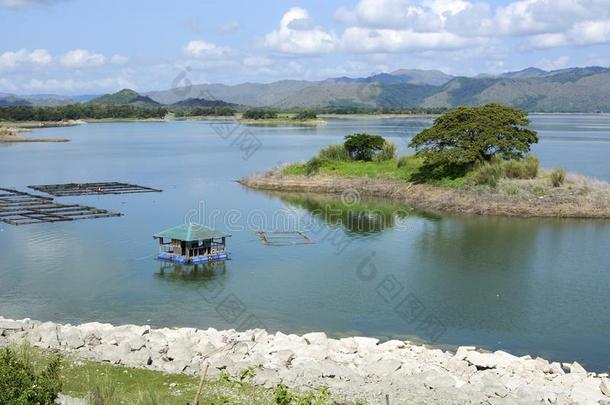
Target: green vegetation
x=363, y=146
x=80, y=111
x=558, y=177
x=125, y=97
x=388, y=151
x=467, y=136
x=490, y=173
x=259, y=114
x=305, y=115
x=201, y=103
x=468, y=147
x=21, y=383
x=205, y=112
x=387, y=169
x=32, y=376
x=334, y=152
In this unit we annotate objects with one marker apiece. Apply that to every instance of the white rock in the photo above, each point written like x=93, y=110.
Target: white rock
x=316, y=338
x=463, y=351
x=366, y=343
x=71, y=337
x=587, y=392
x=392, y=345
x=604, y=386
x=9, y=324
x=575, y=368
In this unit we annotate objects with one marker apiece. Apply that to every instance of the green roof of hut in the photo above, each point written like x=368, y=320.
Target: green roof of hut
x=190, y=233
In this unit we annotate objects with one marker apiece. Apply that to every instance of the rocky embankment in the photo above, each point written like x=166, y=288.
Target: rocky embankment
x=355, y=368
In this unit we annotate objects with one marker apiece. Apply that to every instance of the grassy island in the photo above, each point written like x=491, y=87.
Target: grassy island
x=472, y=160
x=264, y=117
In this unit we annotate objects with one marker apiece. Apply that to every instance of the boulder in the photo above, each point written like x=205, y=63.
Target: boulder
x=316, y=338
x=10, y=325
x=587, y=392
x=71, y=337
x=604, y=386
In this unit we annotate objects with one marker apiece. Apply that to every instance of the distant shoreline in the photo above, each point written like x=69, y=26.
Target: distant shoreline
x=282, y=122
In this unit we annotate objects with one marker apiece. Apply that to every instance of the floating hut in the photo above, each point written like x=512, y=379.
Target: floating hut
x=191, y=243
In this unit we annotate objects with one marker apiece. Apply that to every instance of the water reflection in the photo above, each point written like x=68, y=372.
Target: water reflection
x=361, y=217
x=204, y=272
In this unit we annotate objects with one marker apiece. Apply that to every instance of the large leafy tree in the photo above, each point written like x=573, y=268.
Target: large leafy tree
x=463, y=137
x=363, y=146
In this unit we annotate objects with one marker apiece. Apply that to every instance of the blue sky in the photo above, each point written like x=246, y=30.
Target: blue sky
x=86, y=47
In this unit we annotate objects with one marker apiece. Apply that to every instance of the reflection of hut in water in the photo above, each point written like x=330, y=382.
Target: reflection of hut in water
x=202, y=272
x=191, y=243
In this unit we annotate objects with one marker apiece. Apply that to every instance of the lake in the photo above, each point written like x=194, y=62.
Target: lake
x=528, y=286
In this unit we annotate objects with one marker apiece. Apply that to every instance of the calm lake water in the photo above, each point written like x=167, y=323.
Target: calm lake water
x=537, y=287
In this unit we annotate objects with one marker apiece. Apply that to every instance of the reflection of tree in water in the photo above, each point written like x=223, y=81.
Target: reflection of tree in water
x=478, y=271
x=189, y=273
x=362, y=217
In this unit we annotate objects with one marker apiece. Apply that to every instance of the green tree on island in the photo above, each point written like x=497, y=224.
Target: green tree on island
x=467, y=136
x=306, y=115
x=363, y=146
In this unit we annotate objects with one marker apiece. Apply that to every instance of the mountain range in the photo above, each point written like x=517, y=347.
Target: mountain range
x=585, y=89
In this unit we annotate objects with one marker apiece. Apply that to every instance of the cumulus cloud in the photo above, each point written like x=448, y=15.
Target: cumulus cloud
x=298, y=35
x=13, y=59
x=539, y=23
x=205, y=50
x=78, y=58
x=406, y=25
x=387, y=40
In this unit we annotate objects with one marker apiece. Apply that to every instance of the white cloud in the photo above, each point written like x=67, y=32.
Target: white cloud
x=82, y=58
x=297, y=35
x=582, y=33
x=540, y=23
x=408, y=25
x=12, y=59
x=205, y=50
x=422, y=16
x=358, y=39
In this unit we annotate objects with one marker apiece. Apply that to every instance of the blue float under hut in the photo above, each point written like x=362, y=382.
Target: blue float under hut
x=191, y=243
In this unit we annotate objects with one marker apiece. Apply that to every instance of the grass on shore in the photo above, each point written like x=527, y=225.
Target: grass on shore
x=512, y=178
x=404, y=169
x=107, y=384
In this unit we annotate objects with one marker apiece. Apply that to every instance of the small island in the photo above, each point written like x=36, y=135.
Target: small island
x=263, y=117
x=11, y=134
x=473, y=160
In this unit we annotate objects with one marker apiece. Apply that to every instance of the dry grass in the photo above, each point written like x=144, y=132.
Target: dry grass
x=578, y=197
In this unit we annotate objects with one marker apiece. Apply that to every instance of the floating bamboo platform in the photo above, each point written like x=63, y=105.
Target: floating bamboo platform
x=20, y=208
x=284, y=238
x=80, y=189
